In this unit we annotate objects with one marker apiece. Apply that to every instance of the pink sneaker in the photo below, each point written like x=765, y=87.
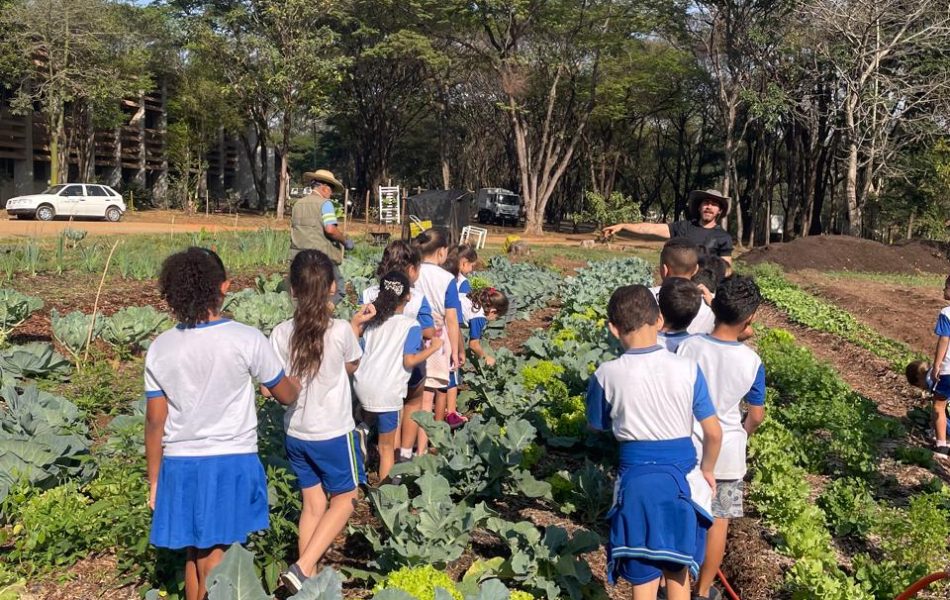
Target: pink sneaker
x=455, y=420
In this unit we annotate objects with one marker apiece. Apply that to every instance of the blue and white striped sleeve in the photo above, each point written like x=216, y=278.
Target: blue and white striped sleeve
x=756, y=395
x=702, y=404
x=452, y=300
x=598, y=409
x=476, y=327
x=328, y=214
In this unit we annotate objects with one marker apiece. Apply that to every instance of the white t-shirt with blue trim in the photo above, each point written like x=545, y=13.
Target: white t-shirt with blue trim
x=381, y=380
x=439, y=288
x=464, y=289
x=324, y=409
x=733, y=372
x=671, y=340
x=648, y=394
x=942, y=329
x=418, y=307
x=207, y=374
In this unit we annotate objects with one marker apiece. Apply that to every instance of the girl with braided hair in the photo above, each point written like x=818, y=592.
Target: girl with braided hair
x=393, y=347
x=487, y=305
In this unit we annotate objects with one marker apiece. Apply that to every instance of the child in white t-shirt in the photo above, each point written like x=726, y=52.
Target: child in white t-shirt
x=679, y=258
x=440, y=289
x=734, y=372
x=679, y=300
x=392, y=349
x=404, y=257
x=487, y=305
x=648, y=399
x=207, y=486
x=460, y=262
x=321, y=352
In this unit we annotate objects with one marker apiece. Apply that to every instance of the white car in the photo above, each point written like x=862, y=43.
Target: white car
x=69, y=200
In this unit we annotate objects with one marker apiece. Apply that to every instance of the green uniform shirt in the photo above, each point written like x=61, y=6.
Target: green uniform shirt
x=308, y=218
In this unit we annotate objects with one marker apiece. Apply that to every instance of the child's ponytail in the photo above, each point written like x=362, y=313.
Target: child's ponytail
x=489, y=298
x=394, y=288
x=453, y=260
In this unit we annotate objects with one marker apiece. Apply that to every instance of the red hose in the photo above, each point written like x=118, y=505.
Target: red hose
x=921, y=584
x=732, y=593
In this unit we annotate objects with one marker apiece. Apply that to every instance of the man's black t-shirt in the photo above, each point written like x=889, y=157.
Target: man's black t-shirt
x=716, y=240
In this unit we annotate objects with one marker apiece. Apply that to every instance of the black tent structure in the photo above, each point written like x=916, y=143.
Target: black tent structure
x=447, y=209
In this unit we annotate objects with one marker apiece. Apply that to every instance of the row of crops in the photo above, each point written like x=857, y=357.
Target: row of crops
x=75, y=487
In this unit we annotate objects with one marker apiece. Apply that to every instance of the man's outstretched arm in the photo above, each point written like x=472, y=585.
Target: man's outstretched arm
x=656, y=229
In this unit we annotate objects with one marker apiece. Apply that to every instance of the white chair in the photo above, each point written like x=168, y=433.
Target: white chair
x=477, y=233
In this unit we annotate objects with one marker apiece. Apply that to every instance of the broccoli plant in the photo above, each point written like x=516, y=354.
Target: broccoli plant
x=15, y=308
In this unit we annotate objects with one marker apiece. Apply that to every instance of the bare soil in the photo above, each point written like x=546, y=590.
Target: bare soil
x=899, y=311
x=844, y=253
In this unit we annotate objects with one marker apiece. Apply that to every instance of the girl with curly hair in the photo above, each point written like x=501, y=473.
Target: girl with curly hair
x=207, y=486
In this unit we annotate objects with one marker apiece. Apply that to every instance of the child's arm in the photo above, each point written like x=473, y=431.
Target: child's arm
x=361, y=318
x=411, y=361
x=352, y=366
x=476, y=327
x=476, y=347
x=285, y=391
x=455, y=335
x=941, y=353
x=156, y=411
x=712, y=442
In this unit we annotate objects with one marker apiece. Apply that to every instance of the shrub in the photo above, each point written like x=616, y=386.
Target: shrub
x=421, y=582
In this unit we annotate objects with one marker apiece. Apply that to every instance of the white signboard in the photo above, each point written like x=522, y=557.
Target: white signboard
x=389, y=205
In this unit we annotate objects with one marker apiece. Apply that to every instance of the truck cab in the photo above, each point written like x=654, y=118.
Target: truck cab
x=497, y=205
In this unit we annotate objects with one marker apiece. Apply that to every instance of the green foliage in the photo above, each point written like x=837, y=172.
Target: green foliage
x=34, y=360
x=131, y=328
x=616, y=208
x=430, y=528
x=527, y=286
x=75, y=330
x=15, y=308
x=99, y=388
x=591, y=288
x=261, y=311
x=586, y=492
x=54, y=527
x=421, y=582
x=548, y=565
x=481, y=460
x=42, y=440
x=849, y=507
x=235, y=578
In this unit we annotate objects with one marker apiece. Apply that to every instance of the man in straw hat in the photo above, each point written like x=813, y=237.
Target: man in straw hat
x=706, y=208
x=313, y=223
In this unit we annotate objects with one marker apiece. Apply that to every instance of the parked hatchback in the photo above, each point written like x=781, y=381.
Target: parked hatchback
x=69, y=200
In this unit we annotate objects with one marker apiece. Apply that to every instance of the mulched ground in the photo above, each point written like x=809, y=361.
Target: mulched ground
x=843, y=253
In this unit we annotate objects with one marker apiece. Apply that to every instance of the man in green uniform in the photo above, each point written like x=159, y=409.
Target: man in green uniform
x=313, y=224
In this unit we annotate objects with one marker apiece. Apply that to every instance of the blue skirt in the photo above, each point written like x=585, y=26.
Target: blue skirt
x=209, y=501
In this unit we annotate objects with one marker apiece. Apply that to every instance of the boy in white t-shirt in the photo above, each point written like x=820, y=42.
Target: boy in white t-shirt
x=941, y=374
x=649, y=399
x=679, y=301
x=679, y=258
x=734, y=373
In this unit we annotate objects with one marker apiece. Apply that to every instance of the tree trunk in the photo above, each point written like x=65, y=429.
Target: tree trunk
x=284, y=179
x=851, y=178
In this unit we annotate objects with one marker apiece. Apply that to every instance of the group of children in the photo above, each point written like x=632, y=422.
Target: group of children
x=934, y=377
x=674, y=402
x=400, y=353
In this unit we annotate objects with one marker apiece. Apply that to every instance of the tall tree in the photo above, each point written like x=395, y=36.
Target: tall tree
x=86, y=59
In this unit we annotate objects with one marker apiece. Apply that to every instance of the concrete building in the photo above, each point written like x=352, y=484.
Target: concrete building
x=133, y=156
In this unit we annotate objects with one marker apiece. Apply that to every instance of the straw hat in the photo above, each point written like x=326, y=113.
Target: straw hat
x=696, y=197
x=323, y=176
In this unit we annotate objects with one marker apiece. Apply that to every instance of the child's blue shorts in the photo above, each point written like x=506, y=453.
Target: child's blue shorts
x=453, y=381
x=336, y=464
x=386, y=422
x=943, y=386
x=418, y=375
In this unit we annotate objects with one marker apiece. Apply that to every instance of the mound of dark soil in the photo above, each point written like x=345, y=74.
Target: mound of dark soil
x=843, y=253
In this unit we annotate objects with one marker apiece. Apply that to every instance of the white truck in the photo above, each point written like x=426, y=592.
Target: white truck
x=497, y=205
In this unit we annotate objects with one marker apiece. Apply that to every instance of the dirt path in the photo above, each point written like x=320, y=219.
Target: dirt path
x=899, y=311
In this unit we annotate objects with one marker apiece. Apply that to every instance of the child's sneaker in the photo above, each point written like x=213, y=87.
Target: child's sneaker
x=293, y=579
x=455, y=420
x=944, y=450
